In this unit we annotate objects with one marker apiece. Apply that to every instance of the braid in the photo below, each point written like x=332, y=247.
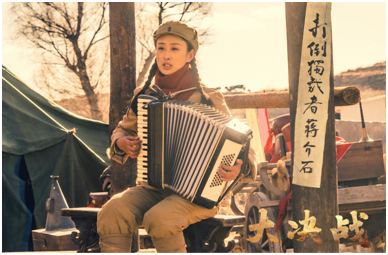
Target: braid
x=151, y=75
x=147, y=84
x=205, y=97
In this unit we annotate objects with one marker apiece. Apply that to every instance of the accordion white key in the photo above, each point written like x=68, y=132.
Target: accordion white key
x=183, y=146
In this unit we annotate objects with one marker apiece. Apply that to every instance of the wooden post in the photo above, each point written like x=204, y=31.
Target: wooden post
x=123, y=82
x=122, y=86
x=322, y=202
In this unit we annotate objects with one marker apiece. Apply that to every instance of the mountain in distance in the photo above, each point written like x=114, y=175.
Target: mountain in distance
x=370, y=80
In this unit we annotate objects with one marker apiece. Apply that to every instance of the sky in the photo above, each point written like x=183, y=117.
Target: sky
x=249, y=44
x=251, y=47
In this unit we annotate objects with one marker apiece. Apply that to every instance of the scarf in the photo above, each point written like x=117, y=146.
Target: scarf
x=180, y=80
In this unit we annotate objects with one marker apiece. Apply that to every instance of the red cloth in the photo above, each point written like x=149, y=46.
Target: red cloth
x=342, y=147
x=268, y=148
x=180, y=80
x=289, y=145
x=283, y=203
x=275, y=158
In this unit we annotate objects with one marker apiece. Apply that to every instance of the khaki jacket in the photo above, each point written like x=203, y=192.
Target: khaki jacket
x=128, y=126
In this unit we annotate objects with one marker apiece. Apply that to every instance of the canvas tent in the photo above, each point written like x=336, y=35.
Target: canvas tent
x=37, y=143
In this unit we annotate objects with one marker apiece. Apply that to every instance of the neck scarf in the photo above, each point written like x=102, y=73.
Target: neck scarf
x=180, y=80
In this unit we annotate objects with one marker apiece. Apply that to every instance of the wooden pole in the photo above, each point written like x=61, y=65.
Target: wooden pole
x=122, y=86
x=123, y=81
x=343, y=96
x=322, y=202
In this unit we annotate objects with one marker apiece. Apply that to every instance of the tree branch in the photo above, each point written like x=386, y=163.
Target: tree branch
x=79, y=19
x=64, y=14
x=100, y=25
x=142, y=44
x=185, y=9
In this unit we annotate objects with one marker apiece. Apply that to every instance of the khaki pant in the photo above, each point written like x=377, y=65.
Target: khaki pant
x=163, y=214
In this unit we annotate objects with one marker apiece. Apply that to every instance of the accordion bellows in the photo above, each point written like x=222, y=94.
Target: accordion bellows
x=183, y=146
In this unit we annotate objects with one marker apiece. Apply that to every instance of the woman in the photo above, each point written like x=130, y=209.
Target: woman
x=163, y=214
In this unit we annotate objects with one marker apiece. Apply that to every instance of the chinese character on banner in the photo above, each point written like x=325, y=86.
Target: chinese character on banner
x=308, y=226
x=313, y=108
x=311, y=128
x=264, y=222
x=314, y=30
x=359, y=232
x=342, y=231
x=313, y=96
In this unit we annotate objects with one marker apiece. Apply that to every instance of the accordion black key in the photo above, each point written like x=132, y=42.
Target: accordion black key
x=183, y=146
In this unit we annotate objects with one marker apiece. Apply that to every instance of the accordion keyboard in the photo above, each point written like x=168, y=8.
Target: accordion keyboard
x=142, y=132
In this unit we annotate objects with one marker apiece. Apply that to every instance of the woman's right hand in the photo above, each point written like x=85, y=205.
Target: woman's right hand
x=130, y=145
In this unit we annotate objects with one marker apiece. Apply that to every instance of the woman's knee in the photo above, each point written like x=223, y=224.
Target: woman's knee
x=114, y=218
x=110, y=208
x=162, y=224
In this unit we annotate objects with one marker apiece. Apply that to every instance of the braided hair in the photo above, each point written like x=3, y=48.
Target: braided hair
x=147, y=84
x=151, y=75
x=205, y=99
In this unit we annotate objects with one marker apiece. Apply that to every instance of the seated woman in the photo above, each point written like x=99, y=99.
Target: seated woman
x=163, y=213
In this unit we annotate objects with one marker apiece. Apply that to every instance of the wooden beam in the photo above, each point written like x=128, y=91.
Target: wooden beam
x=362, y=194
x=343, y=96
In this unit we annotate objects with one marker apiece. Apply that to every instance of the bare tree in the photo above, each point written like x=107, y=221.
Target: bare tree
x=74, y=45
x=67, y=35
x=150, y=15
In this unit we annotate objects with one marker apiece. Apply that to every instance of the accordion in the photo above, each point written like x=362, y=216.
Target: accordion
x=183, y=146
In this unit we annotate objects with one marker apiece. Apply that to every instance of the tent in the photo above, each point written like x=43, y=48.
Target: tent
x=38, y=142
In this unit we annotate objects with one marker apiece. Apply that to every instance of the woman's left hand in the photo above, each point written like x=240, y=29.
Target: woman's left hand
x=229, y=173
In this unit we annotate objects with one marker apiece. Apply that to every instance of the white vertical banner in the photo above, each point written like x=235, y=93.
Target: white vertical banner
x=313, y=96
x=256, y=142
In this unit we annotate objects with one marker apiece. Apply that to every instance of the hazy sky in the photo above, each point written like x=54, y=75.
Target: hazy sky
x=251, y=47
x=249, y=43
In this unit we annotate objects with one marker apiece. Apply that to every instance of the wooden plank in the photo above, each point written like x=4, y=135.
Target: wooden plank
x=363, y=160
x=362, y=194
x=82, y=212
x=370, y=199
x=369, y=208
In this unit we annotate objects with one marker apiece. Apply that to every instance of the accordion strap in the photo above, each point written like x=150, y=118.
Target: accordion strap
x=162, y=95
x=172, y=95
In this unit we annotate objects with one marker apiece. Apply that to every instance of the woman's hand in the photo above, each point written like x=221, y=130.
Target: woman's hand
x=229, y=173
x=130, y=145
